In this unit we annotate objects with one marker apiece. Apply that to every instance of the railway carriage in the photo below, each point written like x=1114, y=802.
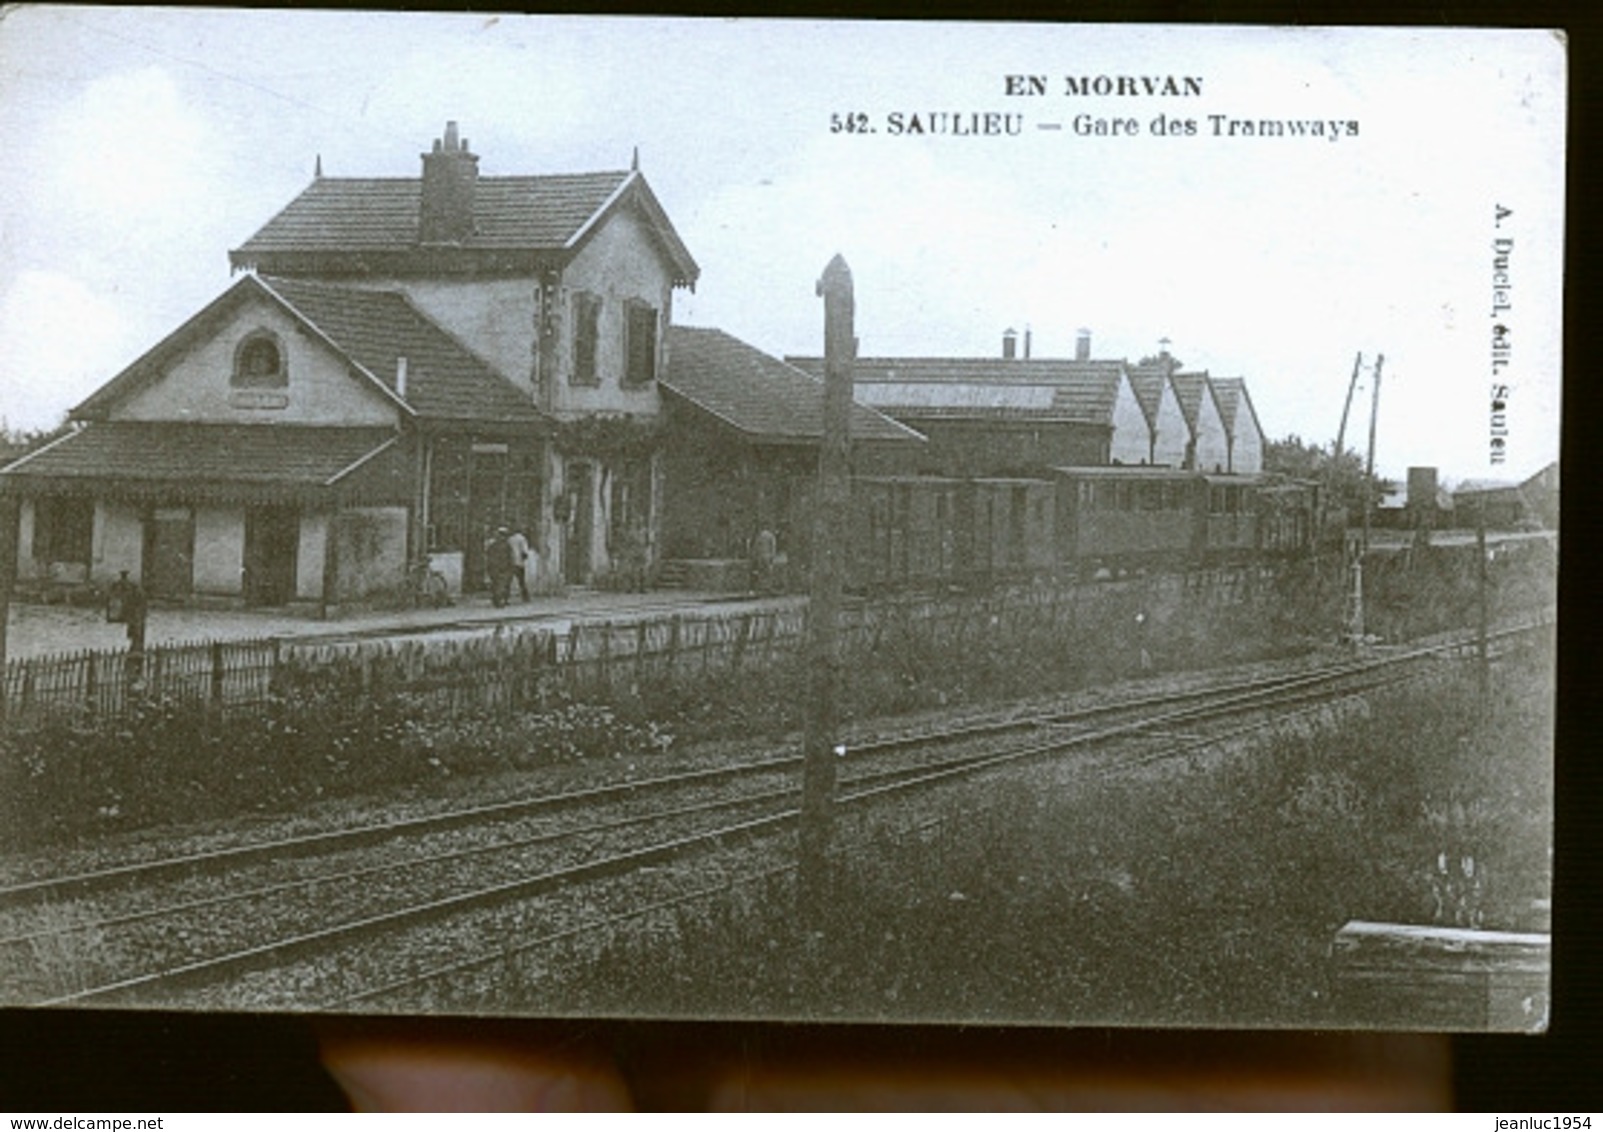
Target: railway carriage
x=1120, y=516
x=923, y=532
x=1231, y=532
x=904, y=532
x=1286, y=518
x=1010, y=528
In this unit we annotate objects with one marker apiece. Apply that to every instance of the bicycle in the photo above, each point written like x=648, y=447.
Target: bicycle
x=426, y=587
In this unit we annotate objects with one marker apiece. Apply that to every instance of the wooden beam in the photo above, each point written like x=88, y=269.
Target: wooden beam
x=1429, y=977
x=821, y=731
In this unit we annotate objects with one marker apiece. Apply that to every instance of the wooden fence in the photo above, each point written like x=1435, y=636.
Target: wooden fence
x=110, y=682
x=495, y=671
x=510, y=668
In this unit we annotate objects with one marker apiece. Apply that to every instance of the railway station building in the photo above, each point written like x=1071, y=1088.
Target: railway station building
x=1005, y=416
x=1017, y=415
x=741, y=457
x=405, y=364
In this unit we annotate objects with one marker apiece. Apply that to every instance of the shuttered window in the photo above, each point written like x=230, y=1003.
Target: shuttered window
x=586, y=335
x=641, y=346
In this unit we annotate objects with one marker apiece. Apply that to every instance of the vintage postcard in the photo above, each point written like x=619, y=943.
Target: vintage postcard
x=720, y=519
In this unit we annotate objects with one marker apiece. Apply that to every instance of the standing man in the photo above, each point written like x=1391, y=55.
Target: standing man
x=519, y=546
x=125, y=603
x=764, y=550
x=498, y=566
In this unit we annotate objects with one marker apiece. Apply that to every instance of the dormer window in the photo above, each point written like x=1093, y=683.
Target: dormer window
x=259, y=363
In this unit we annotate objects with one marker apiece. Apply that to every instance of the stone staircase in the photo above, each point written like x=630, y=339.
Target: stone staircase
x=704, y=575
x=672, y=574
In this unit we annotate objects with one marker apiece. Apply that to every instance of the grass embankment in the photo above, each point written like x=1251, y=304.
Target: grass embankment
x=327, y=735
x=1204, y=894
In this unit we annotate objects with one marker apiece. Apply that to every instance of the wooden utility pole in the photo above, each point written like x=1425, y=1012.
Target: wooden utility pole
x=8, y=581
x=1369, y=462
x=1356, y=629
x=1347, y=405
x=1361, y=631
x=1341, y=446
x=1482, y=600
x=822, y=731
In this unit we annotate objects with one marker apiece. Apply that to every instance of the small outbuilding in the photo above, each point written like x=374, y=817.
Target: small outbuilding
x=741, y=455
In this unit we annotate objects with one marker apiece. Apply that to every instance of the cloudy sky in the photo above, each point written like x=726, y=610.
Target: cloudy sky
x=142, y=144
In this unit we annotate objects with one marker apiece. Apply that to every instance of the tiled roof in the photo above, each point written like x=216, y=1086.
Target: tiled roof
x=1479, y=487
x=1189, y=390
x=1147, y=380
x=377, y=328
x=356, y=213
x=1040, y=388
x=380, y=215
x=956, y=398
x=1231, y=394
x=138, y=451
x=372, y=328
x=756, y=393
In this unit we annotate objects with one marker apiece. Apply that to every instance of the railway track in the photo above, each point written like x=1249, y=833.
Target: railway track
x=85, y=882
x=442, y=867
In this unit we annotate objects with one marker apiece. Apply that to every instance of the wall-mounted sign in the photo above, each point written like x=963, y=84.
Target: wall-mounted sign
x=258, y=399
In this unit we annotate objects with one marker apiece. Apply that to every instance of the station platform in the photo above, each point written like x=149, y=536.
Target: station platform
x=41, y=630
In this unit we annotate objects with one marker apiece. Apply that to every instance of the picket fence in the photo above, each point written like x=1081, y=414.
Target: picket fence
x=511, y=668
x=497, y=670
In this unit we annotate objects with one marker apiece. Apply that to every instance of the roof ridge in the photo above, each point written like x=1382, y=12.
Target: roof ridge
x=481, y=179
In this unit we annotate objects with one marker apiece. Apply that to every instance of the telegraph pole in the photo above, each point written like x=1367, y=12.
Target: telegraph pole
x=1341, y=445
x=1347, y=405
x=1482, y=584
x=8, y=580
x=822, y=731
x=1355, y=613
x=1369, y=463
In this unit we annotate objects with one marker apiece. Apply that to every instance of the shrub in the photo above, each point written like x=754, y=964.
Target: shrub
x=1205, y=896
x=168, y=760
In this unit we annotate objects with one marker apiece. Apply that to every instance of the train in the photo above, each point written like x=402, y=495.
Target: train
x=909, y=532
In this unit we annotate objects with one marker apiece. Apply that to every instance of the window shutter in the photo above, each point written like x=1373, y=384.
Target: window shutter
x=642, y=365
x=586, y=319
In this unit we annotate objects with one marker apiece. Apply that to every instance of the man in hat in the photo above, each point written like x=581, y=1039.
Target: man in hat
x=498, y=566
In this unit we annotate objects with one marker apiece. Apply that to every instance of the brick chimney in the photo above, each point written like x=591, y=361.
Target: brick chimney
x=450, y=174
x=1082, y=346
x=1010, y=343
